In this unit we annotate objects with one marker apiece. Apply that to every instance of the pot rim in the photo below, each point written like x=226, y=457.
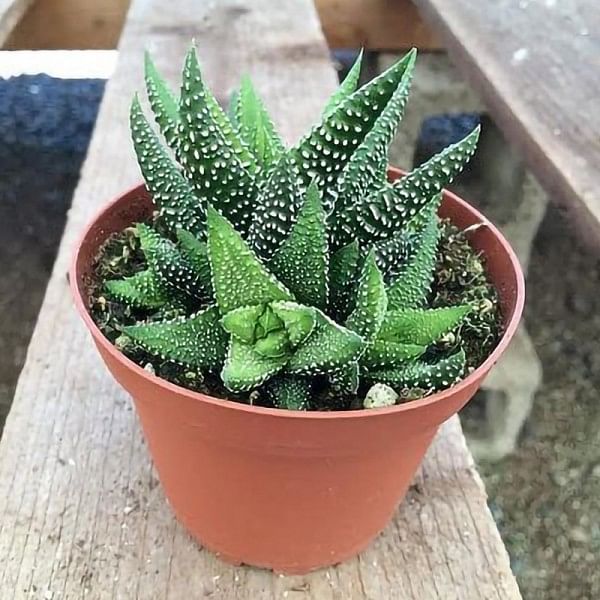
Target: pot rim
x=362, y=413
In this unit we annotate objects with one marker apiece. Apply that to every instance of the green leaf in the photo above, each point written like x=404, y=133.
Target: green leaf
x=170, y=191
x=345, y=379
x=301, y=262
x=322, y=154
x=197, y=254
x=268, y=321
x=241, y=322
x=173, y=310
x=411, y=286
x=392, y=253
x=385, y=353
x=299, y=321
x=289, y=392
x=371, y=301
x=428, y=376
x=198, y=341
x=385, y=211
x=274, y=344
x=221, y=120
x=274, y=329
x=162, y=100
x=255, y=126
x=343, y=275
x=239, y=278
x=206, y=152
x=347, y=87
x=367, y=168
x=245, y=368
x=328, y=347
x=423, y=327
x=169, y=266
x=276, y=207
x=230, y=134
x=395, y=253
x=140, y=290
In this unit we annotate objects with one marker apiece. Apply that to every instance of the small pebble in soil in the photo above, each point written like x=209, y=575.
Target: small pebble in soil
x=380, y=395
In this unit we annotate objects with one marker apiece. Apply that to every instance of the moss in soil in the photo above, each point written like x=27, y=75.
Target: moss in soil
x=460, y=277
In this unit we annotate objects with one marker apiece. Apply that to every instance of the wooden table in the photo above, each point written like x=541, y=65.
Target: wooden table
x=537, y=65
x=83, y=515
x=10, y=13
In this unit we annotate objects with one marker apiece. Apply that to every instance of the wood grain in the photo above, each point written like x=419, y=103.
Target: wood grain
x=11, y=12
x=536, y=64
x=97, y=24
x=70, y=25
x=83, y=515
x=375, y=25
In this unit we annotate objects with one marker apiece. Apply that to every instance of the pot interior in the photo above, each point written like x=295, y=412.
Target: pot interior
x=500, y=261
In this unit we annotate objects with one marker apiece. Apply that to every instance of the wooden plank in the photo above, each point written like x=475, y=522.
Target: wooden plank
x=83, y=515
x=375, y=25
x=11, y=12
x=96, y=24
x=70, y=25
x=536, y=65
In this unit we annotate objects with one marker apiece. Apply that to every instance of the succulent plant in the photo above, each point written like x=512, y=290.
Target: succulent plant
x=289, y=266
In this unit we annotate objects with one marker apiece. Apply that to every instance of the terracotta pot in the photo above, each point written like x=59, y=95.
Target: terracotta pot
x=291, y=491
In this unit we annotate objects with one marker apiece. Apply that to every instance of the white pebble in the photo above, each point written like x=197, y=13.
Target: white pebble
x=380, y=395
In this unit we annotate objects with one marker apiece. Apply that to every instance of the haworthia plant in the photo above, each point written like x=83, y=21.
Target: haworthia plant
x=297, y=267
x=255, y=127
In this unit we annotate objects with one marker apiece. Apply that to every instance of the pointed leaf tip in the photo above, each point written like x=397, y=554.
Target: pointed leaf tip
x=388, y=208
x=366, y=170
x=197, y=341
x=347, y=87
x=162, y=101
x=276, y=207
x=371, y=300
x=343, y=276
x=214, y=159
x=255, y=126
x=245, y=368
x=327, y=348
x=420, y=374
x=289, y=392
x=170, y=191
x=141, y=290
x=239, y=277
x=421, y=326
x=170, y=267
x=301, y=262
x=410, y=286
x=323, y=153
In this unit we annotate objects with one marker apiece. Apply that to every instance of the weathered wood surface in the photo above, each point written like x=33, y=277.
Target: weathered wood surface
x=83, y=515
x=69, y=25
x=375, y=25
x=536, y=63
x=10, y=13
x=97, y=24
